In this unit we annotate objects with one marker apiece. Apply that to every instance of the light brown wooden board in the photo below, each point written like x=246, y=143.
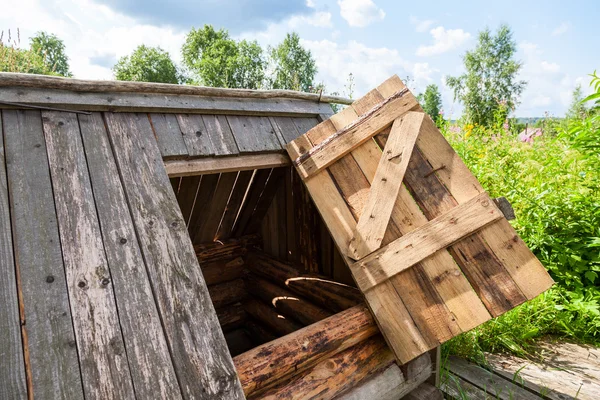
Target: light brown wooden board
x=448, y=292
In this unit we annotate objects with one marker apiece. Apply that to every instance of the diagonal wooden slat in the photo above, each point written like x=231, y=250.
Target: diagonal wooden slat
x=375, y=217
x=421, y=243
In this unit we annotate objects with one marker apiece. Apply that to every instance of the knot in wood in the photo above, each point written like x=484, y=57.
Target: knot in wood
x=485, y=203
x=49, y=279
x=105, y=282
x=123, y=241
x=81, y=284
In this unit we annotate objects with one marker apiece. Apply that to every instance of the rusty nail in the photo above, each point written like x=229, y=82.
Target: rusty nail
x=81, y=284
x=123, y=240
x=49, y=279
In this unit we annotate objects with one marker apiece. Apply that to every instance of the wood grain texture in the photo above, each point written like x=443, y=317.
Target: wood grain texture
x=200, y=216
x=12, y=373
x=202, y=362
x=50, y=344
x=147, y=351
x=259, y=181
x=253, y=134
x=168, y=135
x=104, y=363
x=424, y=241
x=215, y=209
x=195, y=135
x=274, y=182
x=212, y=165
x=186, y=195
x=220, y=135
x=375, y=217
x=222, y=270
x=233, y=205
x=226, y=293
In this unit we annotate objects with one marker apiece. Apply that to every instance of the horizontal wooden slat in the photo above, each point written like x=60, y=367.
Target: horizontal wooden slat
x=352, y=136
x=421, y=243
x=214, y=165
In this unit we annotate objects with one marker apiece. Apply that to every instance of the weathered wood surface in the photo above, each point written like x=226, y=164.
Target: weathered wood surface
x=220, y=135
x=202, y=362
x=253, y=134
x=222, y=270
x=168, y=135
x=332, y=376
x=376, y=214
x=206, y=192
x=12, y=373
x=230, y=248
x=227, y=293
x=320, y=290
x=273, y=362
x=186, y=196
x=274, y=182
x=391, y=383
x=104, y=364
x=424, y=241
x=157, y=103
x=48, y=337
x=259, y=181
x=233, y=205
x=268, y=316
x=285, y=302
x=147, y=351
x=215, y=210
x=211, y=165
x=425, y=391
x=195, y=135
x=81, y=85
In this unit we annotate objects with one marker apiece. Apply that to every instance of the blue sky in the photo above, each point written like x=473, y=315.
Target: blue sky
x=372, y=39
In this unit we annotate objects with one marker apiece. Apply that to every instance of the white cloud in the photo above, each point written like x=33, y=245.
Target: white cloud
x=541, y=101
x=562, y=28
x=549, y=67
x=360, y=13
x=321, y=19
x=421, y=25
x=444, y=40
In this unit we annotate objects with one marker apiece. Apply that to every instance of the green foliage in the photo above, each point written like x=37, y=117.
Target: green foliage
x=552, y=184
x=293, y=66
x=45, y=57
x=490, y=80
x=216, y=60
x=431, y=101
x=147, y=64
x=52, y=50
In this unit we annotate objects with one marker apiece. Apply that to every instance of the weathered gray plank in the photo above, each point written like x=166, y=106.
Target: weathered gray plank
x=12, y=372
x=147, y=352
x=104, y=366
x=168, y=135
x=139, y=102
x=253, y=134
x=286, y=128
x=307, y=123
x=203, y=365
x=50, y=341
x=220, y=135
x=233, y=205
x=195, y=135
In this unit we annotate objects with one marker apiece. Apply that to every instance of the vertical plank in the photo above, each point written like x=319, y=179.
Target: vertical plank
x=220, y=135
x=195, y=135
x=252, y=197
x=233, y=205
x=306, y=229
x=203, y=365
x=253, y=134
x=186, y=196
x=147, y=352
x=168, y=136
x=200, y=215
x=281, y=210
x=12, y=373
x=104, y=365
x=304, y=124
x=290, y=236
x=274, y=181
x=175, y=184
x=217, y=206
x=50, y=342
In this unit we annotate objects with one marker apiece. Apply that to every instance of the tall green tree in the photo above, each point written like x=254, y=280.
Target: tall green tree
x=431, y=101
x=490, y=83
x=147, y=64
x=577, y=109
x=52, y=51
x=216, y=60
x=293, y=66
x=45, y=56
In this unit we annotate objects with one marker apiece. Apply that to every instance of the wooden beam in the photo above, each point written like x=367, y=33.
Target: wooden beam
x=293, y=353
x=353, y=135
x=421, y=243
x=227, y=293
x=213, y=165
x=266, y=314
x=81, y=85
x=384, y=190
x=222, y=270
x=232, y=317
x=227, y=249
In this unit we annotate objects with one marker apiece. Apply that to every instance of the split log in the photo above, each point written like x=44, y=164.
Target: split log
x=227, y=293
x=208, y=252
x=232, y=317
x=392, y=383
x=285, y=301
x=268, y=316
x=318, y=289
x=273, y=362
x=332, y=376
x=222, y=271
x=259, y=333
